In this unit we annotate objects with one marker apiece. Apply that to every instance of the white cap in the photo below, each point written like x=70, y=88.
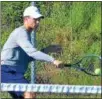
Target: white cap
x=33, y=12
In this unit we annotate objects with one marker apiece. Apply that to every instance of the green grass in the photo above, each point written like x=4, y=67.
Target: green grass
x=76, y=26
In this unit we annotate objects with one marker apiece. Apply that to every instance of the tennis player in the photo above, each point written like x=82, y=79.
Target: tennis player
x=18, y=52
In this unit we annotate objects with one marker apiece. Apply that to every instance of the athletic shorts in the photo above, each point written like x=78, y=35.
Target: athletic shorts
x=10, y=75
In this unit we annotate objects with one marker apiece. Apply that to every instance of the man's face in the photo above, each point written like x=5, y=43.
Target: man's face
x=33, y=23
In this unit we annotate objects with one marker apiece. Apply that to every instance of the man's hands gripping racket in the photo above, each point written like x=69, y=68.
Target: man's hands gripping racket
x=90, y=64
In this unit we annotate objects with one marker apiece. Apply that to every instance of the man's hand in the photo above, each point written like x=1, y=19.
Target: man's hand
x=58, y=64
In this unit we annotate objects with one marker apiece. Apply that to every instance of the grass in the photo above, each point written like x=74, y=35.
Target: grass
x=76, y=26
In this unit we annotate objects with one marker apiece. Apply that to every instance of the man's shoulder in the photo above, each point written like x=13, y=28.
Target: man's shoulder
x=21, y=28
x=18, y=30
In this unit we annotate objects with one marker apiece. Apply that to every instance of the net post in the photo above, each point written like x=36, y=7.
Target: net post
x=33, y=63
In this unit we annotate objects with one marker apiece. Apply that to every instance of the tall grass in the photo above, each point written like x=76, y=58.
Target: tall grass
x=76, y=26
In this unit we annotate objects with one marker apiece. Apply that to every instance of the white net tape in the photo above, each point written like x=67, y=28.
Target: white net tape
x=51, y=88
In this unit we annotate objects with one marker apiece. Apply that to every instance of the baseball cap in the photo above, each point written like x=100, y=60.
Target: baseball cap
x=33, y=12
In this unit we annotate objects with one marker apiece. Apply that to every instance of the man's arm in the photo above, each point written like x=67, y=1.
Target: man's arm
x=24, y=42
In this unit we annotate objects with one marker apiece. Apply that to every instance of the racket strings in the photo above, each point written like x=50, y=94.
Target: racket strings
x=91, y=63
x=91, y=68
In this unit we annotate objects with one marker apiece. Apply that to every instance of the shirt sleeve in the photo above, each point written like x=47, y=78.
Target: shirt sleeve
x=24, y=42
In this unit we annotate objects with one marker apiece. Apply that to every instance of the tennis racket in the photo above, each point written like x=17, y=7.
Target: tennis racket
x=89, y=64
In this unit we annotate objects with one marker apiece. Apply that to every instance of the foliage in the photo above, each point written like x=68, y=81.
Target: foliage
x=76, y=26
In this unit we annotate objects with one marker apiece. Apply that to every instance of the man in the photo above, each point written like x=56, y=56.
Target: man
x=18, y=51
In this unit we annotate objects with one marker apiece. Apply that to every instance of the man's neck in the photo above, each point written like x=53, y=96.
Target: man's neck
x=28, y=28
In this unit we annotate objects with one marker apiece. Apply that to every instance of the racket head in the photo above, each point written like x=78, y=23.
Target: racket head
x=89, y=64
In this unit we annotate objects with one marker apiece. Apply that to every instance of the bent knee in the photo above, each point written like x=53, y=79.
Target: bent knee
x=29, y=95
